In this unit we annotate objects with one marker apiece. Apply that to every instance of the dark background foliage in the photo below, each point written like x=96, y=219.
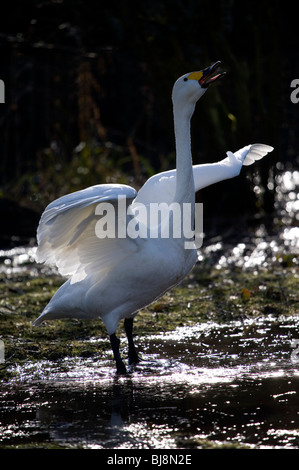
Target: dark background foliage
x=88, y=86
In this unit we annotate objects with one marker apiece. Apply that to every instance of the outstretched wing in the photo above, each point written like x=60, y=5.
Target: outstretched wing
x=161, y=187
x=254, y=152
x=67, y=236
x=229, y=167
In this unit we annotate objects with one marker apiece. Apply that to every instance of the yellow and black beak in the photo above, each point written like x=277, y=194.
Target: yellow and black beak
x=206, y=76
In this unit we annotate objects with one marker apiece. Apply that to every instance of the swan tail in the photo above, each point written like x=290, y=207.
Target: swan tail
x=39, y=320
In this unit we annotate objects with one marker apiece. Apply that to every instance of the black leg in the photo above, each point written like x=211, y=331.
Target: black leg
x=133, y=356
x=120, y=367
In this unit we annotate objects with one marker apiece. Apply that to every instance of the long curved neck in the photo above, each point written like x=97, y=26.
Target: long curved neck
x=185, y=191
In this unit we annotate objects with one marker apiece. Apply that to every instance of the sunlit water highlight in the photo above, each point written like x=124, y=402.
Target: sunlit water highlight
x=232, y=383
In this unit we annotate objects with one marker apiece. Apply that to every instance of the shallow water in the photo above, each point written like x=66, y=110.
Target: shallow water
x=235, y=383
x=232, y=383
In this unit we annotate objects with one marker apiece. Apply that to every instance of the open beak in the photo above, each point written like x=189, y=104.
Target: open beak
x=208, y=76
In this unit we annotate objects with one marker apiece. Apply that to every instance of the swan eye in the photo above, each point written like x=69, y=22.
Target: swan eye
x=185, y=79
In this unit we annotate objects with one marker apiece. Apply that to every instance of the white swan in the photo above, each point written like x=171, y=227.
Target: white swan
x=114, y=277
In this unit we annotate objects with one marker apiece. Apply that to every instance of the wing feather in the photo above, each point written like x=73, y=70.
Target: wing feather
x=66, y=233
x=255, y=152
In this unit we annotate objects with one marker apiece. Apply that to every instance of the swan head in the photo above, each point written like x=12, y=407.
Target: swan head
x=191, y=86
